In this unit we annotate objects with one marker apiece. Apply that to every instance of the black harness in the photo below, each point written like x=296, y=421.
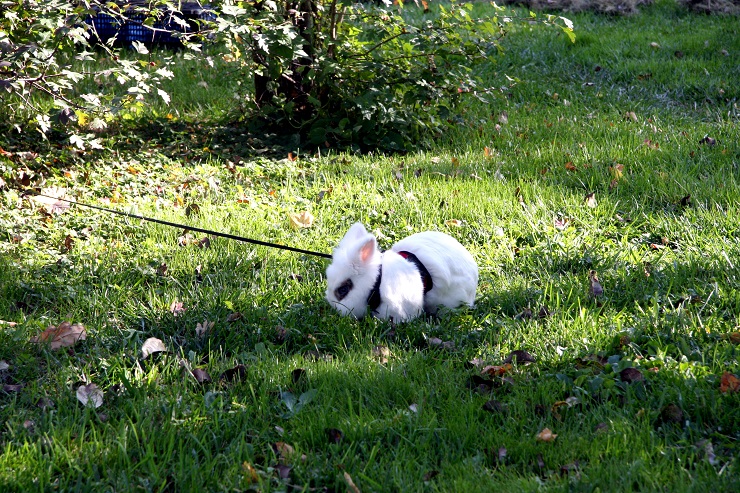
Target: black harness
x=373, y=299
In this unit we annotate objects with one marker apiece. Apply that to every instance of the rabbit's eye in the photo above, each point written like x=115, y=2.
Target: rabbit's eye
x=343, y=289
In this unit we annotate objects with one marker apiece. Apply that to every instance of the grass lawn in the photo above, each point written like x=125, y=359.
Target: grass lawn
x=617, y=154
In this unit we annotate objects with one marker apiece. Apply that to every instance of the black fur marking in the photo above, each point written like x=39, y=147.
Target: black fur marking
x=373, y=299
x=426, y=277
x=343, y=290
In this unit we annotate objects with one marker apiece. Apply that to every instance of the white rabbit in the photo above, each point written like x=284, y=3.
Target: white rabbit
x=417, y=274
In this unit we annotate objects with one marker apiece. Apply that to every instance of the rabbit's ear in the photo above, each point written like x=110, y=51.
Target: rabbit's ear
x=367, y=250
x=356, y=232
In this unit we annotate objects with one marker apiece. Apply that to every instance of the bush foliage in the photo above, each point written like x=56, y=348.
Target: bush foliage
x=325, y=71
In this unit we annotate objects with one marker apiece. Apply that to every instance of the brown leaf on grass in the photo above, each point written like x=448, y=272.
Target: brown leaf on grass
x=334, y=435
x=525, y=314
x=501, y=454
x=65, y=335
x=521, y=357
x=734, y=337
x=729, y=383
x=541, y=463
x=204, y=242
x=151, y=346
x=430, y=475
x=44, y=403
x=283, y=471
x=202, y=329
x=594, y=290
x=9, y=388
x=299, y=374
x=475, y=363
x=239, y=372
x=544, y=312
x=250, y=473
x=601, y=427
x=233, y=317
x=90, y=394
x=561, y=223
x=300, y=220
x=480, y=384
x=567, y=469
x=434, y=342
x=546, y=435
x=201, y=376
x=283, y=450
x=351, y=486
x=631, y=375
x=495, y=407
x=51, y=203
x=671, y=414
x=4, y=365
x=570, y=166
x=281, y=334
x=177, y=308
x=162, y=270
x=69, y=242
x=382, y=354
x=496, y=371
x=590, y=200
x=651, y=144
x=708, y=451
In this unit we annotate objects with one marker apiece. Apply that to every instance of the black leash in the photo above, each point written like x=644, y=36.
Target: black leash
x=191, y=228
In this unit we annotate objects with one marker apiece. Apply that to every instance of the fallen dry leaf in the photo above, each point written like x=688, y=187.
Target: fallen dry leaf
x=4, y=365
x=250, y=473
x=729, y=383
x=283, y=471
x=298, y=375
x=561, y=223
x=239, y=372
x=151, y=346
x=546, y=435
x=351, y=486
x=284, y=451
x=381, y=353
x=90, y=394
x=201, y=376
x=601, y=427
x=430, y=475
x=521, y=357
x=233, y=317
x=334, y=435
x=52, y=205
x=65, y=335
x=177, y=308
x=300, y=220
x=631, y=375
x=454, y=222
x=494, y=407
x=594, y=290
x=12, y=388
x=496, y=371
x=590, y=200
x=671, y=414
x=202, y=329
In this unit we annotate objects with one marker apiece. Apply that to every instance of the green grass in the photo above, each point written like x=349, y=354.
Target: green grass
x=668, y=270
